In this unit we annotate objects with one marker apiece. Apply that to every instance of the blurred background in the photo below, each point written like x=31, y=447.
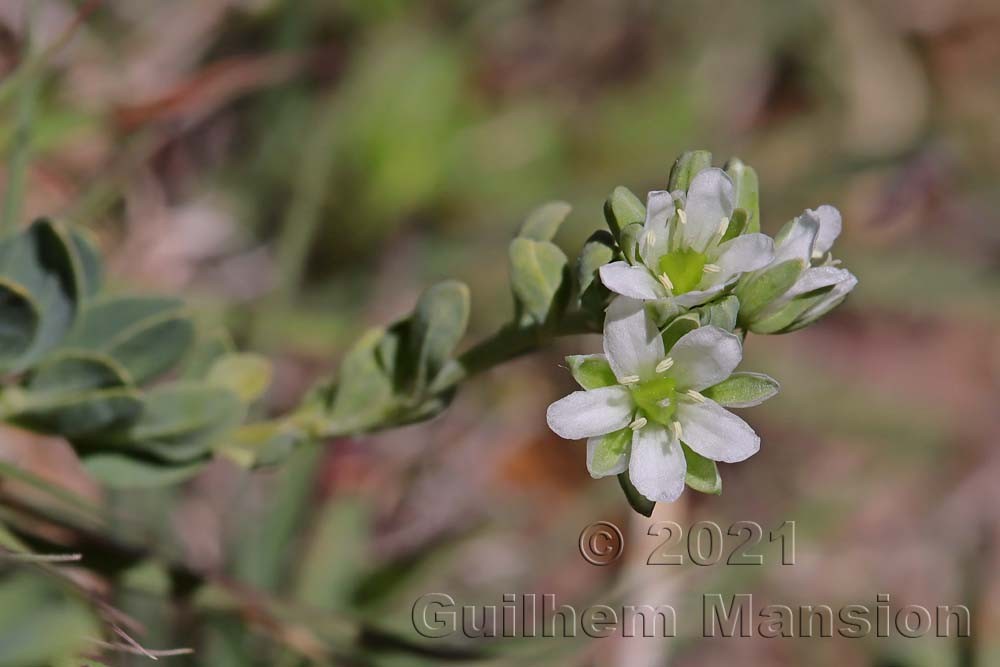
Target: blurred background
x=302, y=169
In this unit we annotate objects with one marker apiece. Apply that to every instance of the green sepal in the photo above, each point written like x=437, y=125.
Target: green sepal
x=758, y=290
x=636, y=500
x=784, y=319
x=702, y=473
x=607, y=455
x=591, y=371
x=743, y=390
x=621, y=209
x=721, y=313
x=543, y=223
x=686, y=167
x=628, y=242
x=747, y=192
x=738, y=225
x=678, y=327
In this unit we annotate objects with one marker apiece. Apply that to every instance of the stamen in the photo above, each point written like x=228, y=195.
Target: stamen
x=664, y=365
x=695, y=395
x=678, y=431
x=650, y=238
x=630, y=379
x=665, y=281
x=712, y=268
x=682, y=216
x=637, y=424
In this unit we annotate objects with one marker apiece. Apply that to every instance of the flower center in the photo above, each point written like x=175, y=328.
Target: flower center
x=684, y=268
x=656, y=399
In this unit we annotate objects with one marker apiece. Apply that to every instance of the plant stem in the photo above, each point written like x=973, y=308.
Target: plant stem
x=17, y=164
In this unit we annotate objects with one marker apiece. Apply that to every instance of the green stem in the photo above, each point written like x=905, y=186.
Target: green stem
x=17, y=165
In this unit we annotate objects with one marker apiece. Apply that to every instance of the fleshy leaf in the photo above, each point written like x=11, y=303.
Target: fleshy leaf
x=19, y=322
x=364, y=394
x=539, y=277
x=435, y=329
x=246, y=375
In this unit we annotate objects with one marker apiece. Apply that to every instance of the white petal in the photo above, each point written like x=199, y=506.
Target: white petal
x=832, y=298
x=816, y=277
x=716, y=433
x=584, y=414
x=711, y=197
x=698, y=297
x=656, y=466
x=604, y=468
x=631, y=341
x=830, y=225
x=796, y=239
x=741, y=255
x=630, y=281
x=704, y=357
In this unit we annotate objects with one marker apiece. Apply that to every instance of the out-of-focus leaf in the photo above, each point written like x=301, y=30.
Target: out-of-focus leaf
x=747, y=192
x=245, y=375
x=90, y=267
x=743, y=390
x=206, y=351
x=73, y=416
x=702, y=474
x=263, y=444
x=336, y=556
x=147, y=335
x=19, y=322
x=121, y=471
x=39, y=264
x=543, y=223
x=68, y=372
x=364, y=393
x=539, y=277
x=686, y=167
x=435, y=329
x=636, y=500
x=621, y=209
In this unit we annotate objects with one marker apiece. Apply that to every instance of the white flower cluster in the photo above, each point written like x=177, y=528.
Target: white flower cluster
x=653, y=405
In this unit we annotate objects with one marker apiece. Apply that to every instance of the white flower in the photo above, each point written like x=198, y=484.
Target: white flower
x=817, y=289
x=680, y=259
x=639, y=404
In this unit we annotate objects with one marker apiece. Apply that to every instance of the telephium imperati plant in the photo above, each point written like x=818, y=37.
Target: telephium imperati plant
x=147, y=397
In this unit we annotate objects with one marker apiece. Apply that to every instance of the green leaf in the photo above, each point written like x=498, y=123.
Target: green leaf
x=743, y=390
x=364, y=395
x=435, y=330
x=246, y=375
x=68, y=372
x=147, y=335
x=543, y=223
x=180, y=422
x=591, y=371
x=40, y=262
x=263, y=444
x=738, y=222
x=686, y=167
x=19, y=322
x=721, y=313
x=73, y=416
x=121, y=471
x=636, y=500
x=90, y=269
x=40, y=623
x=702, y=474
x=760, y=289
x=747, y=192
x=678, y=327
x=621, y=209
x=206, y=351
x=539, y=277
